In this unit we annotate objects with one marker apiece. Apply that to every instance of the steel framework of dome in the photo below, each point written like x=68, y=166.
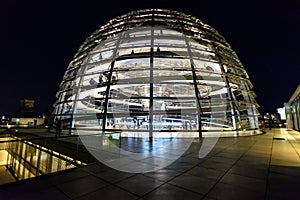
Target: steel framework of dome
x=160, y=72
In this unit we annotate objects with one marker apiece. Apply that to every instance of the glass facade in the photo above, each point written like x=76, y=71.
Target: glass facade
x=25, y=159
x=292, y=109
x=157, y=72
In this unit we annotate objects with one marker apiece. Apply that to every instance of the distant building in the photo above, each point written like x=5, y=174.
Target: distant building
x=292, y=110
x=27, y=115
x=281, y=112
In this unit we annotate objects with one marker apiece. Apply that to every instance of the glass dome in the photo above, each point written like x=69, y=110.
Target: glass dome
x=157, y=72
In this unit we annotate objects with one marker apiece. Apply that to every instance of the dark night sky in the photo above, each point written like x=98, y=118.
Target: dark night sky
x=39, y=38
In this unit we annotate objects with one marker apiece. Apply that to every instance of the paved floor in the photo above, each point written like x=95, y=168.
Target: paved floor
x=259, y=167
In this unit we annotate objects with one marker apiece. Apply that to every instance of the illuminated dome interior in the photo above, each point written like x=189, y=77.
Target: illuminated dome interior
x=157, y=72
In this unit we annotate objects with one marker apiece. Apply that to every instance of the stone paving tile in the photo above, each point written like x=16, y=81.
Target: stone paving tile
x=255, y=159
x=285, y=170
x=139, y=184
x=286, y=162
x=208, y=198
x=251, y=184
x=264, y=153
x=50, y=193
x=81, y=186
x=216, y=165
x=249, y=172
x=171, y=192
x=229, y=154
x=181, y=166
x=113, y=176
x=188, y=160
x=283, y=186
x=193, y=183
x=212, y=174
x=18, y=190
x=109, y=193
x=226, y=191
x=236, y=168
x=68, y=175
x=96, y=168
x=163, y=174
x=229, y=161
x=255, y=165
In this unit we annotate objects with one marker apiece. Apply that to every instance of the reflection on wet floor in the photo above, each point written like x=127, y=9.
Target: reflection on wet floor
x=137, y=155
